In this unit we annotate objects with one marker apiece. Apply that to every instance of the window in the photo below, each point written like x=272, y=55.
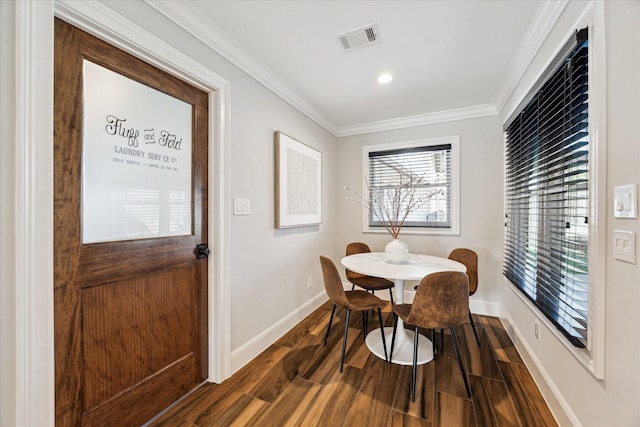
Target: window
x=435, y=161
x=547, y=193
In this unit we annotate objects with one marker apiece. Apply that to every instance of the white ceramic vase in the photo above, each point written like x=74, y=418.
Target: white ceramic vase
x=396, y=251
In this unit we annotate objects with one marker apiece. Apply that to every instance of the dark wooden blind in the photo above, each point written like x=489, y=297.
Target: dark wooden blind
x=433, y=164
x=547, y=194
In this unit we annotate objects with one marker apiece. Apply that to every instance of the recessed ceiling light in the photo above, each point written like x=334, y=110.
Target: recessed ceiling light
x=384, y=78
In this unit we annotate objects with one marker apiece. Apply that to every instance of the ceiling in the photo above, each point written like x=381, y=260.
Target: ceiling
x=449, y=59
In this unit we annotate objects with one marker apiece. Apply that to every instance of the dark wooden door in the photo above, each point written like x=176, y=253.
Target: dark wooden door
x=130, y=316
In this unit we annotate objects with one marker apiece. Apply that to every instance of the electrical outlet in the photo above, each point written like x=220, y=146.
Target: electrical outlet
x=624, y=245
x=309, y=282
x=536, y=330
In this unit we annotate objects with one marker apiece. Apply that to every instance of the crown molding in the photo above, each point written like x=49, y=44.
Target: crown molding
x=97, y=19
x=188, y=18
x=545, y=19
x=183, y=14
x=420, y=119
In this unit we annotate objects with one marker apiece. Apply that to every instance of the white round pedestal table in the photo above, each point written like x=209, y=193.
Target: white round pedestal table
x=415, y=268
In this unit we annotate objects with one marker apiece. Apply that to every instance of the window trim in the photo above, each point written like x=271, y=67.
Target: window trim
x=593, y=356
x=454, y=141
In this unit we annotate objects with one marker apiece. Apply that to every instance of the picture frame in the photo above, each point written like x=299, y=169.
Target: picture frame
x=298, y=183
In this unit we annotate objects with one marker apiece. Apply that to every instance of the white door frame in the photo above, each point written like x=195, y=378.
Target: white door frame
x=33, y=145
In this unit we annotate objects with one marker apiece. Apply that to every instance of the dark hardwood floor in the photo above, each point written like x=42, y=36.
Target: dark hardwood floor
x=296, y=382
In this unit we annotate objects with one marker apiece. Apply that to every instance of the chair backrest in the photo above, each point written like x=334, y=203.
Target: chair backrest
x=356, y=248
x=333, y=283
x=470, y=259
x=441, y=301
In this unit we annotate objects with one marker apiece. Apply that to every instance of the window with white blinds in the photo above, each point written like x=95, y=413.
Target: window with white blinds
x=547, y=193
x=431, y=165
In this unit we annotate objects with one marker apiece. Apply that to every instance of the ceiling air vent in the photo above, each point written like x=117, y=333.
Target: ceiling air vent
x=358, y=37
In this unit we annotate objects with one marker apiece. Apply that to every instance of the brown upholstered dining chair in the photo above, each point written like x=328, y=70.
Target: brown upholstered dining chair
x=470, y=259
x=351, y=301
x=367, y=283
x=441, y=301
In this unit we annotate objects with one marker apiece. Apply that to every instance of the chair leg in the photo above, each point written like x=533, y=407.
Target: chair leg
x=353, y=286
x=415, y=364
x=384, y=341
x=464, y=373
x=391, y=295
x=365, y=320
x=474, y=328
x=333, y=311
x=433, y=343
x=344, y=340
x=393, y=337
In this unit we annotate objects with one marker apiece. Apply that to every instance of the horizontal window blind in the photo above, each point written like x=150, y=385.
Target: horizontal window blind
x=547, y=195
x=430, y=166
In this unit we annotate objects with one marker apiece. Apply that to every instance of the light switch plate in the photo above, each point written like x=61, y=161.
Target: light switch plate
x=624, y=201
x=624, y=245
x=241, y=206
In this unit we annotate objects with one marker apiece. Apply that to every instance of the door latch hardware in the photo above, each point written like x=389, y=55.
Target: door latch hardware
x=202, y=251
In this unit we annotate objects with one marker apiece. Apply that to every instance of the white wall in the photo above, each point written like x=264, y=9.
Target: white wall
x=614, y=401
x=269, y=267
x=481, y=202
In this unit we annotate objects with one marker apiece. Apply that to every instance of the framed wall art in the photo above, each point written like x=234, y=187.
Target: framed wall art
x=298, y=182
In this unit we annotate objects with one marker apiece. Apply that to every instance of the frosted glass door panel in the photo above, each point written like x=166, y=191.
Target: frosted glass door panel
x=136, y=165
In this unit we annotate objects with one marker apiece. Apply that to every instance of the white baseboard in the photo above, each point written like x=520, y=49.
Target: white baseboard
x=244, y=354
x=534, y=365
x=486, y=308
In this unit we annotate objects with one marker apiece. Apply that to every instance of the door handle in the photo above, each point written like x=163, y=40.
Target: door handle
x=202, y=251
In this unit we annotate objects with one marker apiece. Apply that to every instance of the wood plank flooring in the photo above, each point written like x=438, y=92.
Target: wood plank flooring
x=297, y=382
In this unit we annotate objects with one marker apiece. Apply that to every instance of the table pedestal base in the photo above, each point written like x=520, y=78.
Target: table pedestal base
x=403, y=348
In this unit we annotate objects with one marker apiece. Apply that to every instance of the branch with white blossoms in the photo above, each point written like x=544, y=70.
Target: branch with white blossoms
x=392, y=205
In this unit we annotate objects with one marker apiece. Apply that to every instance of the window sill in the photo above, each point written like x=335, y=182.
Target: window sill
x=417, y=231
